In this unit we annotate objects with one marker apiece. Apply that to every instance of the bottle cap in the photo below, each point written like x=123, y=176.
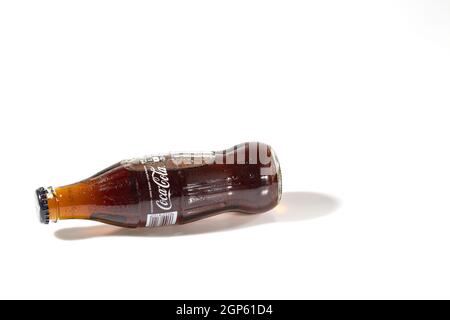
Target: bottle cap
x=41, y=194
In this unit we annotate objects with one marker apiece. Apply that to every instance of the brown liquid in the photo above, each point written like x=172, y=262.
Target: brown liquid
x=244, y=178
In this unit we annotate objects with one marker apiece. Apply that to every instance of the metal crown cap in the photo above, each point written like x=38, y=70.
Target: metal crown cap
x=41, y=194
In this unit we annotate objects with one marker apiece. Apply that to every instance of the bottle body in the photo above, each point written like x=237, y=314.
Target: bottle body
x=170, y=189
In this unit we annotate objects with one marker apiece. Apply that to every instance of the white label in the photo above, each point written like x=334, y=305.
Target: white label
x=161, y=179
x=157, y=175
x=161, y=219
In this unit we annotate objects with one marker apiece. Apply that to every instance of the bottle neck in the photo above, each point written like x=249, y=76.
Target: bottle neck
x=69, y=202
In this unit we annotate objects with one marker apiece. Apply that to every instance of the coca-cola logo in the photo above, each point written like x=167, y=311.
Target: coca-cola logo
x=161, y=179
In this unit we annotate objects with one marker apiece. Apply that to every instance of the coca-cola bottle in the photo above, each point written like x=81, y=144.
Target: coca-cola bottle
x=173, y=188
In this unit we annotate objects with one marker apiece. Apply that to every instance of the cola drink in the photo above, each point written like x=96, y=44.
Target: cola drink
x=172, y=188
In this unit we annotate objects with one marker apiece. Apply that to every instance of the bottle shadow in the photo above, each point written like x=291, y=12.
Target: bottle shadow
x=294, y=206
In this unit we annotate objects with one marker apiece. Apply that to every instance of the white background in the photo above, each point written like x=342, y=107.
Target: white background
x=353, y=95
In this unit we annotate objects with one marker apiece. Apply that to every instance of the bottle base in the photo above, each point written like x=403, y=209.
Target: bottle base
x=279, y=176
